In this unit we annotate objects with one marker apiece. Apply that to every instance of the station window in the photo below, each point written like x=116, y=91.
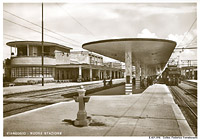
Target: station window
x=22, y=51
x=31, y=72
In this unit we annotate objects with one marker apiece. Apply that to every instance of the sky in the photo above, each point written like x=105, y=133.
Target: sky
x=73, y=24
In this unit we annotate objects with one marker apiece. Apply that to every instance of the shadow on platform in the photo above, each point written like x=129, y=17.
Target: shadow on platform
x=119, y=90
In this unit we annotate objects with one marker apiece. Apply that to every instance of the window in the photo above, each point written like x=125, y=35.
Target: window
x=22, y=51
x=31, y=72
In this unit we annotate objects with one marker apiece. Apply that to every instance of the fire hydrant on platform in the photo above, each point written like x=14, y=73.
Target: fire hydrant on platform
x=82, y=119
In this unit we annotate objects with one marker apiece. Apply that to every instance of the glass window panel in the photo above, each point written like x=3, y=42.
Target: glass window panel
x=34, y=71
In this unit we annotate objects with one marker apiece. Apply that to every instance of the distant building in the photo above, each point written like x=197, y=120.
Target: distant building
x=86, y=66
x=59, y=63
x=6, y=70
x=189, y=72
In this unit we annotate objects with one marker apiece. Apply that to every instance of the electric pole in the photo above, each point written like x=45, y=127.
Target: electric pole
x=42, y=49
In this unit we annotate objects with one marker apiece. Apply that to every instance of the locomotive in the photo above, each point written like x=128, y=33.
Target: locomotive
x=171, y=75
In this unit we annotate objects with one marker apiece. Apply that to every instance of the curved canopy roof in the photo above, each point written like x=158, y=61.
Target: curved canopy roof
x=35, y=43
x=149, y=51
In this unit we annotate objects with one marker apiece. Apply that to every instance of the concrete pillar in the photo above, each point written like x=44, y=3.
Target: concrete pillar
x=79, y=72
x=146, y=70
x=113, y=74
x=110, y=74
x=99, y=74
x=90, y=74
x=193, y=73
x=142, y=74
x=128, y=71
x=189, y=74
x=142, y=71
x=59, y=74
x=104, y=74
x=28, y=50
x=137, y=75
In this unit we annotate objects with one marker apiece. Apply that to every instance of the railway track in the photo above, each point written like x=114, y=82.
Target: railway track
x=193, y=84
x=188, y=92
x=187, y=104
x=15, y=108
x=52, y=92
x=11, y=108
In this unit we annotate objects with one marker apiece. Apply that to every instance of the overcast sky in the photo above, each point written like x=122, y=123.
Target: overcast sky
x=73, y=24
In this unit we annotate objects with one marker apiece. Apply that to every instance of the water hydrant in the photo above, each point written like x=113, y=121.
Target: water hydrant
x=82, y=119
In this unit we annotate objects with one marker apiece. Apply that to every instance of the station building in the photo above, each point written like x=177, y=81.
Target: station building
x=59, y=64
x=189, y=72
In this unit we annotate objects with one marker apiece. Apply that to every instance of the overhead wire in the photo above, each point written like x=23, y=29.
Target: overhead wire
x=40, y=26
x=187, y=32
x=76, y=20
x=14, y=37
x=37, y=31
x=191, y=41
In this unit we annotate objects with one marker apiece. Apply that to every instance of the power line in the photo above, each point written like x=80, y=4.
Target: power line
x=37, y=31
x=187, y=48
x=188, y=31
x=191, y=41
x=188, y=45
x=14, y=37
x=9, y=38
x=40, y=26
x=76, y=20
x=20, y=25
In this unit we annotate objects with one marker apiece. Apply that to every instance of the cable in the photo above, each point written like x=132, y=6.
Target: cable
x=76, y=20
x=188, y=45
x=187, y=48
x=188, y=31
x=191, y=41
x=14, y=37
x=20, y=25
x=38, y=31
x=39, y=26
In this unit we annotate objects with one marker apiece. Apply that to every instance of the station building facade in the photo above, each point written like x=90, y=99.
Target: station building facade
x=59, y=64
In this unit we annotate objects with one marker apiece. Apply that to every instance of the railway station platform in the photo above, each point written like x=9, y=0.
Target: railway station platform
x=151, y=113
x=38, y=87
x=194, y=81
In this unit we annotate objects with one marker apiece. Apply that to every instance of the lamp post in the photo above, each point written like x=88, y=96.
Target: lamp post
x=42, y=50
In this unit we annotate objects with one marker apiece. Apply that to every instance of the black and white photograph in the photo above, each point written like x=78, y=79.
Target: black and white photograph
x=100, y=69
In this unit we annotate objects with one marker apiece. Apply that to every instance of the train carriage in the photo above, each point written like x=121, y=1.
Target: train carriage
x=171, y=75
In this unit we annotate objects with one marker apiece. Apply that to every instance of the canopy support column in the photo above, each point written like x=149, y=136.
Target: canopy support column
x=137, y=76
x=128, y=71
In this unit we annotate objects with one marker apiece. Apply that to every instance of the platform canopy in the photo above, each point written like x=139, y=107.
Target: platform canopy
x=150, y=52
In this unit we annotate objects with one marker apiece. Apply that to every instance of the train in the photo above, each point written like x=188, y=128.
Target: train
x=171, y=75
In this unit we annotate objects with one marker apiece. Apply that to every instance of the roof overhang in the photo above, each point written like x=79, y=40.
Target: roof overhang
x=150, y=52
x=35, y=43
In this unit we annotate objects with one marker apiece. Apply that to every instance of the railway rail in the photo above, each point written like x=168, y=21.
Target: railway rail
x=187, y=104
x=56, y=95
x=51, y=92
x=188, y=92
x=193, y=84
x=19, y=108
